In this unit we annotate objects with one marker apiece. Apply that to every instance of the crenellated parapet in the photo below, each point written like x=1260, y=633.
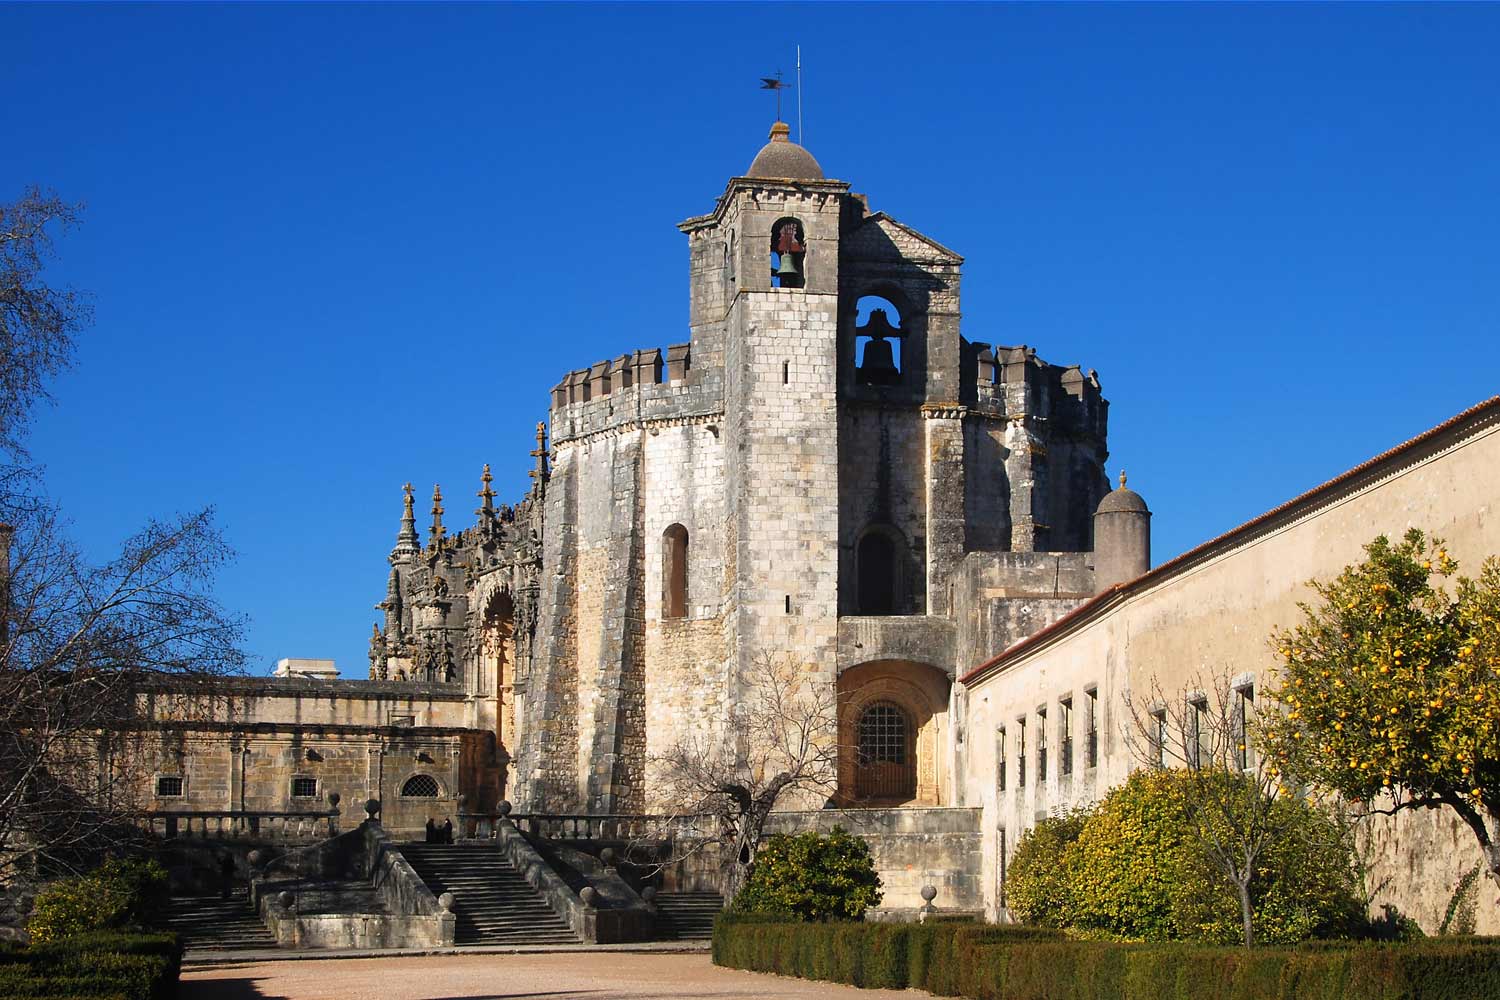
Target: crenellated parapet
x=634, y=390
x=1013, y=382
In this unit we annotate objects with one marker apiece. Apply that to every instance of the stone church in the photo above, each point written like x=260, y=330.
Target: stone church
x=829, y=468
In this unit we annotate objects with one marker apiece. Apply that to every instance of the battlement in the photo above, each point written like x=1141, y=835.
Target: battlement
x=1018, y=383
x=649, y=384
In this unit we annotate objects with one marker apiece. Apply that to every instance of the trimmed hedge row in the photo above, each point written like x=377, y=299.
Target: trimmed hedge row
x=103, y=965
x=988, y=962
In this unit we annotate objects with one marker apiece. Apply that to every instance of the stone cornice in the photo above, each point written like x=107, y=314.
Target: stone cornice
x=636, y=425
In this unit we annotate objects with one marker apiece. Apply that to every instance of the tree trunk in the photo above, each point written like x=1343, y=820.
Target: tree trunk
x=1247, y=913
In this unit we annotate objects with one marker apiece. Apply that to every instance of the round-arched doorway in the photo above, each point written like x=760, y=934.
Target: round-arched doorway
x=885, y=761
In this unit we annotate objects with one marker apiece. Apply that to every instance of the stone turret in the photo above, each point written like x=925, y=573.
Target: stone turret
x=1122, y=537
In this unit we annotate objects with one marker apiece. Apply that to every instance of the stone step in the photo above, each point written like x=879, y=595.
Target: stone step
x=493, y=903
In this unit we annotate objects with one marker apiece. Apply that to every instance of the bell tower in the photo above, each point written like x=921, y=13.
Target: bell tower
x=765, y=300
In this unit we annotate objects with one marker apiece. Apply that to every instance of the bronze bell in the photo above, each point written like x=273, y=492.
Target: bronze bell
x=787, y=267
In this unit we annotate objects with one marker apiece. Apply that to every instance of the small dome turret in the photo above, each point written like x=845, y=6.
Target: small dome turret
x=782, y=159
x=1122, y=500
x=1122, y=537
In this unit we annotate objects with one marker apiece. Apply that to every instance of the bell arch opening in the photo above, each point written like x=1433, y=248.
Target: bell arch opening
x=878, y=337
x=788, y=254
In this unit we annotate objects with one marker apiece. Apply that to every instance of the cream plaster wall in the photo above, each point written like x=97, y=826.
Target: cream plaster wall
x=1212, y=617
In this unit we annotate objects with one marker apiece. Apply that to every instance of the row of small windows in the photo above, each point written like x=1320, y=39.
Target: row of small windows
x=1207, y=734
x=1068, y=751
x=418, y=786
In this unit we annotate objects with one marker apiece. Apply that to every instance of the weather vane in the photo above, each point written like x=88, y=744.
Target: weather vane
x=776, y=84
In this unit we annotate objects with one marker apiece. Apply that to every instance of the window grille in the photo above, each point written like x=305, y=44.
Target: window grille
x=1001, y=764
x=304, y=788
x=1244, y=710
x=169, y=786
x=1041, y=745
x=1065, y=725
x=420, y=786
x=1020, y=753
x=886, y=768
x=1091, y=742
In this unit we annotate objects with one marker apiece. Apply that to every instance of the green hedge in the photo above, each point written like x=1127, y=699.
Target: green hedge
x=98, y=966
x=988, y=962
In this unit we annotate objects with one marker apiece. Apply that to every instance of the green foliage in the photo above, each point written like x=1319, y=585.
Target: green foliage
x=812, y=877
x=1039, y=881
x=118, y=894
x=1133, y=868
x=1393, y=686
x=1019, y=963
x=1459, y=918
x=94, y=966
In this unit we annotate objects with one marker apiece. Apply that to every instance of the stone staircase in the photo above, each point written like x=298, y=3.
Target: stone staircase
x=208, y=923
x=493, y=903
x=688, y=916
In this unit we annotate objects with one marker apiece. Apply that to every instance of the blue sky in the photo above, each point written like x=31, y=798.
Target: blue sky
x=336, y=248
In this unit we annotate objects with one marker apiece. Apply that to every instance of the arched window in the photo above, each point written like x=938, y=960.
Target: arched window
x=788, y=254
x=877, y=341
x=878, y=572
x=674, y=572
x=420, y=786
x=886, y=768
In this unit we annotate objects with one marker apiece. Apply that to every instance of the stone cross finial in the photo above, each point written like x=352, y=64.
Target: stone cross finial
x=406, y=538
x=437, y=531
x=540, y=453
x=487, y=495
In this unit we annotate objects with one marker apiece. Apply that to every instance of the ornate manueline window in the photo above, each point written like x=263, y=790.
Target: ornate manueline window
x=886, y=768
x=420, y=786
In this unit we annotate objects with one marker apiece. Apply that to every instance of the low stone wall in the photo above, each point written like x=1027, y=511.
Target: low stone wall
x=911, y=848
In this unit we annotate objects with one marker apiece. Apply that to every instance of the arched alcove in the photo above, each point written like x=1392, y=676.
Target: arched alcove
x=788, y=254
x=879, y=558
x=891, y=714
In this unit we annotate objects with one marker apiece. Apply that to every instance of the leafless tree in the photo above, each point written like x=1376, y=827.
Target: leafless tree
x=780, y=738
x=1231, y=790
x=78, y=639
x=37, y=321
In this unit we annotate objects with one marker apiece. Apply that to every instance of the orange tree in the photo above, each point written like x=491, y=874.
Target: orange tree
x=1391, y=691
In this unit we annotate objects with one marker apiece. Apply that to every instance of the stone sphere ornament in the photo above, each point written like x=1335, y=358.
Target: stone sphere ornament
x=505, y=807
x=588, y=895
x=334, y=798
x=372, y=808
x=928, y=893
x=608, y=857
x=286, y=899
x=256, y=858
x=446, y=901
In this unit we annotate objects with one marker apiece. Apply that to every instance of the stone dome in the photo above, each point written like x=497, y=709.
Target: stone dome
x=783, y=159
x=1122, y=501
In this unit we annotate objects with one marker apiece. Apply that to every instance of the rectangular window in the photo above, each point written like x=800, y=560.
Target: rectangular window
x=1000, y=762
x=304, y=788
x=403, y=721
x=1244, y=717
x=169, y=786
x=1091, y=740
x=1041, y=745
x=1200, y=752
x=1020, y=753
x=1159, y=736
x=1065, y=731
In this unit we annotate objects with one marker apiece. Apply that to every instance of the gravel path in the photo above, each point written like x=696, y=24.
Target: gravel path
x=584, y=975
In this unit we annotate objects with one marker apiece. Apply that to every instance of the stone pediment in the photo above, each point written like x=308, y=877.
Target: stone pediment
x=882, y=238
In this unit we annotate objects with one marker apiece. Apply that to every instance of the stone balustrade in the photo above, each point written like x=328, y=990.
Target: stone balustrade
x=234, y=824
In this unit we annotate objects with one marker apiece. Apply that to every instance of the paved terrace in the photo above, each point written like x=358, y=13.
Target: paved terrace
x=591, y=975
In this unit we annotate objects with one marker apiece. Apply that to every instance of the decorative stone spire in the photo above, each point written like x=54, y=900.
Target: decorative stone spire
x=540, y=473
x=1122, y=479
x=437, y=531
x=486, y=495
x=407, y=545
